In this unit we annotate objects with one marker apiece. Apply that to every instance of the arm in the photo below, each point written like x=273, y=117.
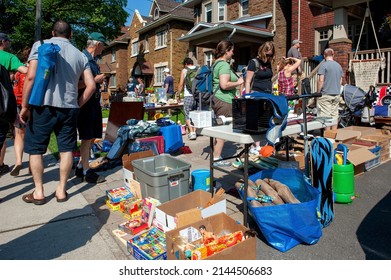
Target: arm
x=181, y=83
x=295, y=66
x=226, y=84
x=22, y=69
x=89, y=81
x=27, y=87
x=320, y=82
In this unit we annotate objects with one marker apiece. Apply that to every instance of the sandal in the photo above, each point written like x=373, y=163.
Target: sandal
x=62, y=199
x=29, y=198
x=15, y=170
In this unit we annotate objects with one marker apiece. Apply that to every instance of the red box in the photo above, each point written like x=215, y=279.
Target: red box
x=159, y=141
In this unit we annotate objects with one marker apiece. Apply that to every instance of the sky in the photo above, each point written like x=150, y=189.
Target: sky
x=142, y=6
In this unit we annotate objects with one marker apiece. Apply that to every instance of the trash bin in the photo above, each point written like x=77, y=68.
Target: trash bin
x=163, y=177
x=200, y=180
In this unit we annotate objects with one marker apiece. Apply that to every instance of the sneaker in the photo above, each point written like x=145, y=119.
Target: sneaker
x=92, y=177
x=192, y=136
x=223, y=163
x=253, y=151
x=79, y=172
x=4, y=169
x=237, y=164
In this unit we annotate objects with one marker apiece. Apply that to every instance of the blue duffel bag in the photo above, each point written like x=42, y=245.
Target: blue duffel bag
x=287, y=225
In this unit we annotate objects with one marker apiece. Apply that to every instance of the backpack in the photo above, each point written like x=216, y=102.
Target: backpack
x=202, y=87
x=189, y=78
x=7, y=97
x=305, y=86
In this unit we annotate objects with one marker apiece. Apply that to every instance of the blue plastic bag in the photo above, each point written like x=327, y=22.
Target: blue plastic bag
x=287, y=225
x=47, y=54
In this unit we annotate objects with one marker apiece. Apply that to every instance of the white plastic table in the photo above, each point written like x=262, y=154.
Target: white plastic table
x=227, y=133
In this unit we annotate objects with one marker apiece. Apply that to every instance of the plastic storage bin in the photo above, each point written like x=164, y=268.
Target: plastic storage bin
x=163, y=177
x=200, y=180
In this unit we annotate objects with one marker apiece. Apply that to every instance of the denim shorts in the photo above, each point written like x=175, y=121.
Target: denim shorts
x=45, y=120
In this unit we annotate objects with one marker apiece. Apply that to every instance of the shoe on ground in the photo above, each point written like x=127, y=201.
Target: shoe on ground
x=192, y=136
x=79, y=172
x=94, y=178
x=15, y=171
x=222, y=163
x=4, y=169
x=237, y=164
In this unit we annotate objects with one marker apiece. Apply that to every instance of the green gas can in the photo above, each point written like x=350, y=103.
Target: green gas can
x=343, y=177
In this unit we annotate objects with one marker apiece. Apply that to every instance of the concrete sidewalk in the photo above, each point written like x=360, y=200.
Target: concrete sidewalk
x=81, y=228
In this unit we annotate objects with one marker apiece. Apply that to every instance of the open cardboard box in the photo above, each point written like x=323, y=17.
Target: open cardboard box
x=358, y=155
x=219, y=223
x=127, y=159
x=349, y=134
x=297, y=157
x=187, y=209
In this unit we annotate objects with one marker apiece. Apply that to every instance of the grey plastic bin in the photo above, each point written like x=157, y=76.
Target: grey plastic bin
x=163, y=177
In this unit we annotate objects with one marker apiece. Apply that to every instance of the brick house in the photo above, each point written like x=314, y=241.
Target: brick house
x=153, y=42
x=114, y=61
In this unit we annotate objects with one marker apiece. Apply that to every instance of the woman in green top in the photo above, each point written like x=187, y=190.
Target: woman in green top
x=225, y=83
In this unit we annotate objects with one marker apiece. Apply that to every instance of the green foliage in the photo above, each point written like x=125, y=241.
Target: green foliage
x=105, y=113
x=18, y=19
x=53, y=148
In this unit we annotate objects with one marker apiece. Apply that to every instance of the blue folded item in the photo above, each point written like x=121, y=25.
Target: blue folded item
x=47, y=56
x=172, y=135
x=381, y=111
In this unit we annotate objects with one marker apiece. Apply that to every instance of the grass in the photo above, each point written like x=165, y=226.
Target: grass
x=53, y=148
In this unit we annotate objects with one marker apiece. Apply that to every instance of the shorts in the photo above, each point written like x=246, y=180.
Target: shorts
x=45, y=120
x=188, y=105
x=89, y=122
x=221, y=108
x=19, y=124
x=327, y=105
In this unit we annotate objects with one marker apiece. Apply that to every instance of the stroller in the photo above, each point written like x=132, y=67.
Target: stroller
x=354, y=101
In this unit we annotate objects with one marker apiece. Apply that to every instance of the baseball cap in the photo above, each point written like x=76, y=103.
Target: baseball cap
x=98, y=37
x=296, y=41
x=167, y=70
x=4, y=37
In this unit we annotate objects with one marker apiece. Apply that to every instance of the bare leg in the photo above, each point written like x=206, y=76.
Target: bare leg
x=36, y=164
x=85, y=148
x=219, y=144
x=66, y=160
x=2, y=153
x=19, y=144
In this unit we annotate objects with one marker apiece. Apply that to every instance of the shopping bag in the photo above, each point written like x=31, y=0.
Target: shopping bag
x=47, y=56
x=287, y=225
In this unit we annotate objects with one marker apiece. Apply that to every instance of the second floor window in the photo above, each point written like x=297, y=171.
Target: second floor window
x=244, y=4
x=161, y=39
x=208, y=12
x=208, y=58
x=113, y=55
x=222, y=10
x=134, y=48
x=146, y=47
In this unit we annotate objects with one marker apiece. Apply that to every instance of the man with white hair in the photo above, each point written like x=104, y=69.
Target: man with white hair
x=329, y=85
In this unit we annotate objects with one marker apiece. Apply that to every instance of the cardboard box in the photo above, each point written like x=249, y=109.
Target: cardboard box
x=348, y=134
x=379, y=140
x=358, y=156
x=201, y=118
x=297, y=157
x=127, y=159
x=149, y=245
x=187, y=209
x=330, y=133
x=218, y=224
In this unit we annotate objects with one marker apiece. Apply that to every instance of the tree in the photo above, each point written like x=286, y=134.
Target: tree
x=86, y=16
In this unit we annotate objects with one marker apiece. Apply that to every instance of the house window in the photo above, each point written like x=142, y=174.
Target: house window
x=161, y=39
x=323, y=38
x=208, y=58
x=222, y=4
x=159, y=77
x=113, y=81
x=113, y=55
x=156, y=14
x=146, y=47
x=244, y=6
x=208, y=12
x=135, y=47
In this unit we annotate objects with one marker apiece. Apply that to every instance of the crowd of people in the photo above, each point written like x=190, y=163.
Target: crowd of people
x=73, y=109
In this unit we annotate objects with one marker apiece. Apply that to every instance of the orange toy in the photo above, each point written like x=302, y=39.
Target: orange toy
x=266, y=151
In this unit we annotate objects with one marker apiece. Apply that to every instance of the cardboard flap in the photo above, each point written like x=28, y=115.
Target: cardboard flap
x=127, y=159
x=359, y=155
x=187, y=217
x=343, y=135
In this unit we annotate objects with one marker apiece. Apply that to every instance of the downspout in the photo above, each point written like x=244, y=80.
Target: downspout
x=298, y=20
x=169, y=30
x=274, y=17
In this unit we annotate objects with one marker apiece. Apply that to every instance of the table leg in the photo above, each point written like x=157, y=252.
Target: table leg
x=211, y=143
x=245, y=178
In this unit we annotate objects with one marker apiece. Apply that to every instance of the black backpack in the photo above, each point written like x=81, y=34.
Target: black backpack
x=305, y=86
x=7, y=98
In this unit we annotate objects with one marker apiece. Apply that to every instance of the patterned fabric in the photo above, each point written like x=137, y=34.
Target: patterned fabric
x=285, y=84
